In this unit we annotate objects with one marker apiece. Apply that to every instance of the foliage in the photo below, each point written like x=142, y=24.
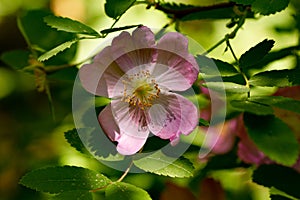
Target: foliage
x=52, y=46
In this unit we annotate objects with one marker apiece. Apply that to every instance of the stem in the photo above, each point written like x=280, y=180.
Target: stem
x=229, y=36
x=100, y=188
x=119, y=17
x=231, y=50
x=125, y=173
x=215, y=46
x=119, y=180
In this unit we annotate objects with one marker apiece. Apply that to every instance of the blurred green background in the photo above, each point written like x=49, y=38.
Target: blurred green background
x=30, y=138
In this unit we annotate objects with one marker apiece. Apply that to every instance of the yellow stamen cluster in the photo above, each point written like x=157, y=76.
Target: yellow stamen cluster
x=143, y=89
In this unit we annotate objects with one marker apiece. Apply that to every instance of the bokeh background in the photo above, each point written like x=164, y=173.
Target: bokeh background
x=30, y=138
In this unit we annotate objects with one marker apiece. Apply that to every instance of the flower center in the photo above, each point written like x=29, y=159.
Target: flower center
x=140, y=89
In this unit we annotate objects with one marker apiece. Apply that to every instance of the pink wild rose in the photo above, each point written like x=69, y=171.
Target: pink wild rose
x=140, y=75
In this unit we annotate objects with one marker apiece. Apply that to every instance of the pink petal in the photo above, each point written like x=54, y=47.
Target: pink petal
x=172, y=115
x=128, y=144
x=133, y=50
x=100, y=76
x=181, y=69
x=108, y=123
x=133, y=126
x=222, y=136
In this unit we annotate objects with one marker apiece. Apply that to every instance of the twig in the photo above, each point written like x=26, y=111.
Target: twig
x=183, y=12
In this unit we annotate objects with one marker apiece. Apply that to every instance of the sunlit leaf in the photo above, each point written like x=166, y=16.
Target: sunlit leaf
x=273, y=137
x=279, y=78
x=69, y=25
x=115, y=8
x=215, y=67
x=125, y=191
x=251, y=57
x=227, y=86
x=280, y=177
x=280, y=195
x=161, y=164
x=73, y=194
x=252, y=107
x=267, y=7
x=98, y=144
x=74, y=140
x=65, y=178
x=56, y=50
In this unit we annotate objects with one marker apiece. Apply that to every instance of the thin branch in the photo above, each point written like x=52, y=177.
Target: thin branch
x=231, y=50
x=125, y=173
x=183, y=12
x=215, y=46
x=231, y=35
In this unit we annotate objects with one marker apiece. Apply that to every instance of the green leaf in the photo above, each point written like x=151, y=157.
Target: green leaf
x=74, y=140
x=203, y=122
x=216, y=162
x=282, y=178
x=214, y=67
x=251, y=57
x=116, y=8
x=279, y=102
x=66, y=74
x=159, y=163
x=273, y=137
x=97, y=144
x=252, y=107
x=267, y=7
x=125, y=191
x=42, y=37
x=69, y=25
x=56, y=50
x=280, y=195
x=61, y=179
x=227, y=86
x=16, y=59
x=244, y=2
x=101, y=101
x=74, y=195
x=276, y=55
x=278, y=78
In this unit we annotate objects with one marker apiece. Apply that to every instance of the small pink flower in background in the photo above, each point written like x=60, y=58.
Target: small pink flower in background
x=222, y=136
x=292, y=119
x=247, y=150
x=140, y=77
